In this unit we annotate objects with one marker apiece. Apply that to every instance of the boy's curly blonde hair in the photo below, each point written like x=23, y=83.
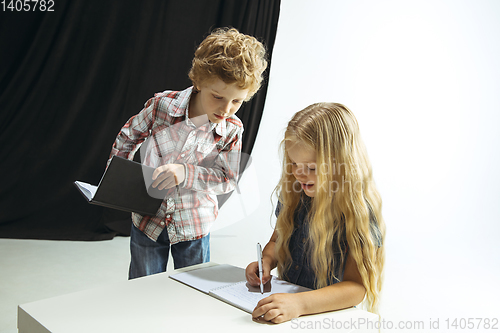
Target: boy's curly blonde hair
x=232, y=57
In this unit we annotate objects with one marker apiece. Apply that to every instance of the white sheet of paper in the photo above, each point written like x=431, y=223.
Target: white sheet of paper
x=246, y=297
x=212, y=277
x=88, y=190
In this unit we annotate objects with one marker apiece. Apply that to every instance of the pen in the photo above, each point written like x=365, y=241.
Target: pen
x=259, y=259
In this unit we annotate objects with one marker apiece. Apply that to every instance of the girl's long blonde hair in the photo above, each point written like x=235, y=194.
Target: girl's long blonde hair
x=345, y=200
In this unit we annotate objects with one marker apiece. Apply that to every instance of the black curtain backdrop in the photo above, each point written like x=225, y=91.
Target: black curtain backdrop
x=70, y=79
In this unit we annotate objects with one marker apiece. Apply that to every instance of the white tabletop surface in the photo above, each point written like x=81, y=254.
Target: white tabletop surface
x=157, y=303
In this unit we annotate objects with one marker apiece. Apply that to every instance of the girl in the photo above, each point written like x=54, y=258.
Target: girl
x=329, y=229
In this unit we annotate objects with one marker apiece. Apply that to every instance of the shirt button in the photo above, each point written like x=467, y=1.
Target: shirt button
x=182, y=155
x=296, y=267
x=162, y=223
x=168, y=216
x=303, y=240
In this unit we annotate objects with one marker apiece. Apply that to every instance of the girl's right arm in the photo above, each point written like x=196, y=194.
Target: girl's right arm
x=268, y=264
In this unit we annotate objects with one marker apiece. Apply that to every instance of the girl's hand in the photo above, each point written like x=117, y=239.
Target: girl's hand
x=252, y=273
x=168, y=175
x=278, y=308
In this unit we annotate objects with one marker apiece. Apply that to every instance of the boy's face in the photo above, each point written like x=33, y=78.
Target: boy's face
x=219, y=100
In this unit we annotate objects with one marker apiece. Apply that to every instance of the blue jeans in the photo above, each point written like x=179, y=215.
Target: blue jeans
x=150, y=257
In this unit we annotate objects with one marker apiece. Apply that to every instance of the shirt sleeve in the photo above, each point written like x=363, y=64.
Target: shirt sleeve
x=134, y=132
x=220, y=177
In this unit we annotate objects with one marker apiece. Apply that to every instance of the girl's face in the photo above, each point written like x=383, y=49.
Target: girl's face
x=303, y=161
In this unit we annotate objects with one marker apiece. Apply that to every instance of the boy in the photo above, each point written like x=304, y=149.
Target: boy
x=194, y=142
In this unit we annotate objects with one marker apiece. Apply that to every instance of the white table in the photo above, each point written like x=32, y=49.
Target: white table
x=157, y=303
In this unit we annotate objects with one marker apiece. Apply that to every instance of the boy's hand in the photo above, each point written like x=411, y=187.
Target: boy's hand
x=252, y=273
x=168, y=175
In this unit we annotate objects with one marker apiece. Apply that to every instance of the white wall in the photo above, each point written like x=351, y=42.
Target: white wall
x=423, y=78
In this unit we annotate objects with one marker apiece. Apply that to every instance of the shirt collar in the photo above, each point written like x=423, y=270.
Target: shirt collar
x=220, y=128
x=180, y=103
x=180, y=107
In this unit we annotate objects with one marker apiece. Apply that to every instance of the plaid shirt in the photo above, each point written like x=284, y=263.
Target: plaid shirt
x=210, y=155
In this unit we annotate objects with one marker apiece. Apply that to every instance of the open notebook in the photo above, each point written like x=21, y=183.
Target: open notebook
x=228, y=283
x=125, y=185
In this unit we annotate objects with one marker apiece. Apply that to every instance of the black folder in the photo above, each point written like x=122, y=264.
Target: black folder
x=125, y=185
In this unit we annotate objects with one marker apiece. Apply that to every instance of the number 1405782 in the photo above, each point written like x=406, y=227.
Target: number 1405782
x=27, y=5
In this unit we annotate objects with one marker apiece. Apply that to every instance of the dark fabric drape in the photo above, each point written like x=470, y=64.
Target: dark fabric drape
x=69, y=79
